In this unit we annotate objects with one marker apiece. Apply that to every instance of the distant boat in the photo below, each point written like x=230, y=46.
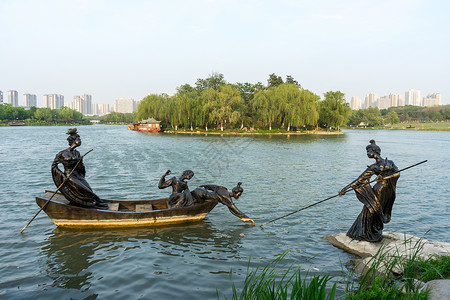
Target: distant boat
x=149, y=125
x=121, y=213
x=15, y=124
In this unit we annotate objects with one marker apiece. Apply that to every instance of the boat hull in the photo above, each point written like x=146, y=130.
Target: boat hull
x=122, y=213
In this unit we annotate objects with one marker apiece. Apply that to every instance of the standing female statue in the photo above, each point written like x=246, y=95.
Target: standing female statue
x=181, y=196
x=76, y=189
x=378, y=200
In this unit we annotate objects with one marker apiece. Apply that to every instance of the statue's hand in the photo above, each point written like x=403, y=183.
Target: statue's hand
x=248, y=220
x=379, y=178
x=342, y=192
x=167, y=172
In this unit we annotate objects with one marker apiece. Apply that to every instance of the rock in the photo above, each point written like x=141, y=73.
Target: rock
x=393, y=246
x=439, y=289
x=394, y=243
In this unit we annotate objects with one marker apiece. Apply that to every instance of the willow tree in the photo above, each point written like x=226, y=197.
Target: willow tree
x=334, y=110
x=266, y=107
x=208, y=103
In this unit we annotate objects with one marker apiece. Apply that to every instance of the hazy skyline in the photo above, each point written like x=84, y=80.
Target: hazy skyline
x=121, y=49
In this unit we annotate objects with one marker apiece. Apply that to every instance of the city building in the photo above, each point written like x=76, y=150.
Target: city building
x=29, y=100
x=432, y=100
x=87, y=104
x=125, y=105
x=53, y=101
x=412, y=97
x=104, y=109
x=355, y=103
x=371, y=100
x=1, y=98
x=384, y=102
x=13, y=98
x=396, y=100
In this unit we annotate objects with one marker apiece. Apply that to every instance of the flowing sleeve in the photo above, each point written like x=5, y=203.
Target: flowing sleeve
x=57, y=175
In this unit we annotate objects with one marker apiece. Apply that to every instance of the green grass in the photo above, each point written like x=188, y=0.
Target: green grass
x=269, y=283
x=390, y=276
x=419, y=126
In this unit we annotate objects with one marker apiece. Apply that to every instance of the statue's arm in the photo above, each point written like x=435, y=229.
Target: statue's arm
x=163, y=183
x=362, y=179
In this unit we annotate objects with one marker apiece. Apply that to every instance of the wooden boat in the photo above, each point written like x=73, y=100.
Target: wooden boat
x=121, y=213
x=149, y=125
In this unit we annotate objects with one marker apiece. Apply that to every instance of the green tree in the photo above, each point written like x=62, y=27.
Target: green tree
x=392, y=118
x=334, y=110
x=274, y=80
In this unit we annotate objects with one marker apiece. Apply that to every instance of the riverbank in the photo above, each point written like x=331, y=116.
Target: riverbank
x=257, y=132
x=413, y=126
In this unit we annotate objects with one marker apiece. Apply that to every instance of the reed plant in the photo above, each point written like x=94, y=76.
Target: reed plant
x=269, y=283
x=391, y=274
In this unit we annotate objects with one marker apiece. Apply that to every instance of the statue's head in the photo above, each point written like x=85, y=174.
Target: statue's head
x=237, y=190
x=187, y=174
x=373, y=149
x=73, y=137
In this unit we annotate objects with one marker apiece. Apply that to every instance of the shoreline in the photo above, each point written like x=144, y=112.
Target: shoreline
x=257, y=133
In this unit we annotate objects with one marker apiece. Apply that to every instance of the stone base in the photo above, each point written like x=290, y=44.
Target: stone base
x=399, y=244
x=392, y=246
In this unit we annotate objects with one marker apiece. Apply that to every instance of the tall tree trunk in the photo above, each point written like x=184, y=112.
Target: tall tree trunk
x=242, y=123
x=289, y=126
x=270, y=126
x=221, y=126
x=191, y=126
x=206, y=126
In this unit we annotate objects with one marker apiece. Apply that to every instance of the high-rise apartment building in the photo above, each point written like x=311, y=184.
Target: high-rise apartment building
x=412, y=97
x=13, y=98
x=1, y=98
x=396, y=100
x=53, y=101
x=104, y=109
x=432, y=100
x=29, y=100
x=384, y=102
x=125, y=105
x=371, y=100
x=87, y=104
x=355, y=103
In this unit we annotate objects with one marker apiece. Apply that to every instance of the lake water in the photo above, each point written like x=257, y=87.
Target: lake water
x=280, y=174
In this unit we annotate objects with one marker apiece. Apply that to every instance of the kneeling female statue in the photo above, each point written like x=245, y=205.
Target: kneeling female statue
x=181, y=196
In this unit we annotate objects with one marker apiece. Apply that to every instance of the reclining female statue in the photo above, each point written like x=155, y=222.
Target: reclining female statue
x=76, y=189
x=222, y=195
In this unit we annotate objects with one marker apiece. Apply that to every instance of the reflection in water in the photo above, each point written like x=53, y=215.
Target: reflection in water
x=71, y=254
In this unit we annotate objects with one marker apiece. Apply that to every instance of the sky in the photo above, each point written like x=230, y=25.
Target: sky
x=129, y=49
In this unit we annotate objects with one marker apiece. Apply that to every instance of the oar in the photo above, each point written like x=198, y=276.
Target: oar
x=350, y=189
x=48, y=201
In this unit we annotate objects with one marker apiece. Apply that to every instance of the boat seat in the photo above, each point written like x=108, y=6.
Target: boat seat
x=144, y=207
x=113, y=206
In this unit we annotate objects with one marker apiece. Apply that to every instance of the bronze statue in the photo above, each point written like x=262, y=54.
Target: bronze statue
x=222, y=195
x=76, y=189
x=181, y=196
x=378, y=200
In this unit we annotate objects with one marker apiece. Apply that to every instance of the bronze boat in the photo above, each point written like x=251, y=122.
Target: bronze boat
x=121, y=213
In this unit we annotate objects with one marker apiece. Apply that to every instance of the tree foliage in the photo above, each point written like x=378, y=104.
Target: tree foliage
x=215, y=102
x=334, y=110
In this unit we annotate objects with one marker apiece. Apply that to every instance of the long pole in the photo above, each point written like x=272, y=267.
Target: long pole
x=350, y=189
x=48, y=201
